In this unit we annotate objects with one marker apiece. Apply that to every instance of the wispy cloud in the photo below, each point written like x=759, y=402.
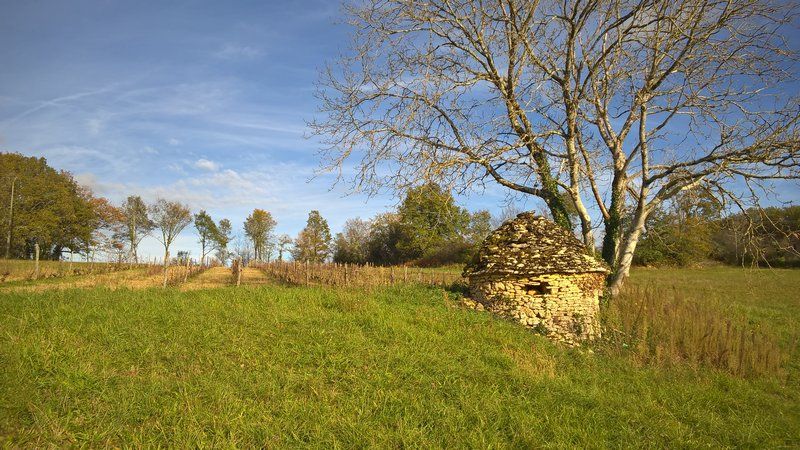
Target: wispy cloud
x=205, y=164
x=238, y=52
x=205, y=105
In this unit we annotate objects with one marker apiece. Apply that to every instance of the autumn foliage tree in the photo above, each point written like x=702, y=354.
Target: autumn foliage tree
x=207, y=231
x=313, y=244
x=259, y=227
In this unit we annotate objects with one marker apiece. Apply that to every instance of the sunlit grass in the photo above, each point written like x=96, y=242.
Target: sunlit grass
x=389, y=367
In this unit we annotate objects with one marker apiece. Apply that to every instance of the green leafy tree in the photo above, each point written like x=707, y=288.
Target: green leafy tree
x=208, y=232
x=42, y=206
x=385, y=237
x=313, y=244
x=259, y=227
x=432, y=219
x=480, y=225
x=222, y=239
x=681, y=231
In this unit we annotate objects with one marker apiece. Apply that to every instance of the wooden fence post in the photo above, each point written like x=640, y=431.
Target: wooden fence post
x=186, y=272
x=36, y=266
x=239, y=271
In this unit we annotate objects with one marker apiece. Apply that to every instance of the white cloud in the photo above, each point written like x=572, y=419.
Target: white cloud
x=205, y=164
x=94, y=125
x=233, y=51
x=173, y=142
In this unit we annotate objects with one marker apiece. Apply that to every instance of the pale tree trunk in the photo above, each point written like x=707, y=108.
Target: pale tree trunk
x=239, y=272
x=574, y=191
x=36, y=265
x=622, y=268
x=133, y=257
x=10, y=219
x=586, y=225
x=166, y=267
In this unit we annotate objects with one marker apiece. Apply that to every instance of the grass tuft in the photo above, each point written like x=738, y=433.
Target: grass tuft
x=663, y=326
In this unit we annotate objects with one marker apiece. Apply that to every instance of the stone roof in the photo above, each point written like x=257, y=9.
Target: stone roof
x=532, y=245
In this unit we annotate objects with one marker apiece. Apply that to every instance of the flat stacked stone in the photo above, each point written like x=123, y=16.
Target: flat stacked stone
x=537, y=273
x=529, y=245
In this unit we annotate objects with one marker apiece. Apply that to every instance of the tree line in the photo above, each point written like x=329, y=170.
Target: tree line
x=428, y=228
x=693, y=228
x=47, y=208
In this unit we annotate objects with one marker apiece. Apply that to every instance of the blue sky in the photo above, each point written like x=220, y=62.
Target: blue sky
x=202, y=102
x=199, y=101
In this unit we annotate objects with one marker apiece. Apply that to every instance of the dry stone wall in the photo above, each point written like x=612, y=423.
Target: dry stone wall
x=562, y=306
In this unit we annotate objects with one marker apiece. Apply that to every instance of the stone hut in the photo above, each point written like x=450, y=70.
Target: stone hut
x=533, y=271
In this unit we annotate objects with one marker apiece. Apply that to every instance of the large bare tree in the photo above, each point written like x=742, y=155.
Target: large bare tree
x=606, y=108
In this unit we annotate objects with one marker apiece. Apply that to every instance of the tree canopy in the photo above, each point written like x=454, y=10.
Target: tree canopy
x=313, y=244
x=259, y=227
x=48, y=207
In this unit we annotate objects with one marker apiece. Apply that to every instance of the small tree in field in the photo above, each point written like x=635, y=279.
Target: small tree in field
x=208, y=232
x=222, y=239
x=259, y=227
x=170, y=218
x=136, y=223
x=313, y=244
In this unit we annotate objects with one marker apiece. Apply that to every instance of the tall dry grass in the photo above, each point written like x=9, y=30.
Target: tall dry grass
x=21, y=270
x=666, y=326
x=348, y=275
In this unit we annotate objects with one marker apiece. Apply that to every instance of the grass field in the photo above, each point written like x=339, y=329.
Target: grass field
x=402, y=366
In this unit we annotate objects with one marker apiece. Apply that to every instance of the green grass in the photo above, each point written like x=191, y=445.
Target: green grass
x=282, y=366
x=769, y=297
